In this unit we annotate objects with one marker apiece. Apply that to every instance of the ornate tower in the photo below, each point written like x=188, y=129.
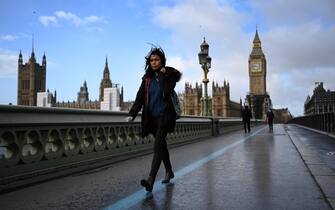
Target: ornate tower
x=83, y=94
x=220, y=100
x=105, y=82
x=258, y=99
x=191, y=100
x=31, y=79
x=257, y=68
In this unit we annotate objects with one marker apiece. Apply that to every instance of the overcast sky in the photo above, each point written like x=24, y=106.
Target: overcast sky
x=297, y=38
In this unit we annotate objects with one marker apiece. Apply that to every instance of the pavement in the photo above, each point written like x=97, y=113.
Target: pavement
x=317, y=149
x=257, y=170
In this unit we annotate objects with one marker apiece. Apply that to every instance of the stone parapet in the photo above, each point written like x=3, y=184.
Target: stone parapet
x=36, y=139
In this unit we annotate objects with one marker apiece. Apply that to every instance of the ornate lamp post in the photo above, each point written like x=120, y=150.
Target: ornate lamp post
x=205, y=62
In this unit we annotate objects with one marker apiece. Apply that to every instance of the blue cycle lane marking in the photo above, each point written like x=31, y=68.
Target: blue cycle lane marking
x=138, y=196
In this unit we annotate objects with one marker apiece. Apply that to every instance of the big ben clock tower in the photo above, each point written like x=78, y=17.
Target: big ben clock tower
x=257, y=68
x=258, y=98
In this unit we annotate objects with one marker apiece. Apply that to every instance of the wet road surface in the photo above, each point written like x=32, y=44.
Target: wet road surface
x=260, y=170
x=322, y=144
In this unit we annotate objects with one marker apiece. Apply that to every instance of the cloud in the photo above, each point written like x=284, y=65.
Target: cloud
x=288, y=12
x=306, y=46
x=187, y=66
x=71, y=18
x=8, y=37
x=293, y=88
x=222, y=26
x=297, y=41
x=48, y=20
x=190, y=21
x=8, y=64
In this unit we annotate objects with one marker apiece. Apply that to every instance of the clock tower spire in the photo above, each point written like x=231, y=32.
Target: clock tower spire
x=258, y=99
x=257, y=68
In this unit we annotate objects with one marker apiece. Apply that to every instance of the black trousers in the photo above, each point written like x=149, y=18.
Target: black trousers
x=161, y=152
x=270, y=124
x=246, y=125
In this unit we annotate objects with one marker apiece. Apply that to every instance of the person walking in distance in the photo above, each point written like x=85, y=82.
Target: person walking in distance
x=246, y=116
x=270, y=116
x=158, y=113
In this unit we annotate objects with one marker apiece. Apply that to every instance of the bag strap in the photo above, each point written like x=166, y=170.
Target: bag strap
x=147, y=86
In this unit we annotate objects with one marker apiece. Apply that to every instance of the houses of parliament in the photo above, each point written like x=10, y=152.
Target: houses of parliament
x=220, y=104
x=32, y=84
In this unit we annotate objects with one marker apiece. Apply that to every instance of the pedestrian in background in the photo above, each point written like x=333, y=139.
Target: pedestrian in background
x=158, y=113
x=270, y=116
x=246, y=116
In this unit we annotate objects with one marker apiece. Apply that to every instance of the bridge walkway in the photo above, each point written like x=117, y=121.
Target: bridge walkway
x=258, y=170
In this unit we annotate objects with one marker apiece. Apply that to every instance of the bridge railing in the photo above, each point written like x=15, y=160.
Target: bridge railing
x=39, y=138
x=323, y=122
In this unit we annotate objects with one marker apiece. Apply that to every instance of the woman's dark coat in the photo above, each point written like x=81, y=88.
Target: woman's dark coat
x=168, y=81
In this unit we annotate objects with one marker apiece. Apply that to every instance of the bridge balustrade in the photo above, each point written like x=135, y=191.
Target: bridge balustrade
x=39, y=138
x=323, y=122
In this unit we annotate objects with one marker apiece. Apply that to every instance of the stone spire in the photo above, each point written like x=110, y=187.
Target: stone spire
x=32, y=57
x=44, y=62
x=256, y=39
x=257, y=48
x=20, y=58
x=32, y=48
x=106, y=70
x=105, y=82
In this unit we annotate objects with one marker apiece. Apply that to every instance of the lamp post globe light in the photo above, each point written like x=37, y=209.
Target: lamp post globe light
x=205, y=62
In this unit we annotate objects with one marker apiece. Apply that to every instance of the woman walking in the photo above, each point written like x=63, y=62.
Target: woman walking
x=158, y=113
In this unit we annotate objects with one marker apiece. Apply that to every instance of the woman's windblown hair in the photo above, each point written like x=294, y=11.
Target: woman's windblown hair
x=155, y=51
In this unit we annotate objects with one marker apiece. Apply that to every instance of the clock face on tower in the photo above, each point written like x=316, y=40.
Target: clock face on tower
x=256, y=67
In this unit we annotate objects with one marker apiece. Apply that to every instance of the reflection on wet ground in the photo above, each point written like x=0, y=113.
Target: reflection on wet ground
x=322, y=144
x=260, y=170
x=151, y=202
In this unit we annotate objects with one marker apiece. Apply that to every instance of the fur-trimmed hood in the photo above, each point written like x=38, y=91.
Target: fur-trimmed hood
x=169, y=71
x=173, y=73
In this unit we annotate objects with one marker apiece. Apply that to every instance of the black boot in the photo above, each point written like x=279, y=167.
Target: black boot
x=148, y=184
x=168, y=175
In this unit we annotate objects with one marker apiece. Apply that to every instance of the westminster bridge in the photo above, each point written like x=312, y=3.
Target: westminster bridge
x=84, y=159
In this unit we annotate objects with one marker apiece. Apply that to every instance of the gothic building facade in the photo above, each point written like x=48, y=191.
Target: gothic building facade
x=31, y=79
x=191, y=104
x=322, y=101
x=222, y=106
x=258, y=99
x=220, y=103
x=83, y=101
